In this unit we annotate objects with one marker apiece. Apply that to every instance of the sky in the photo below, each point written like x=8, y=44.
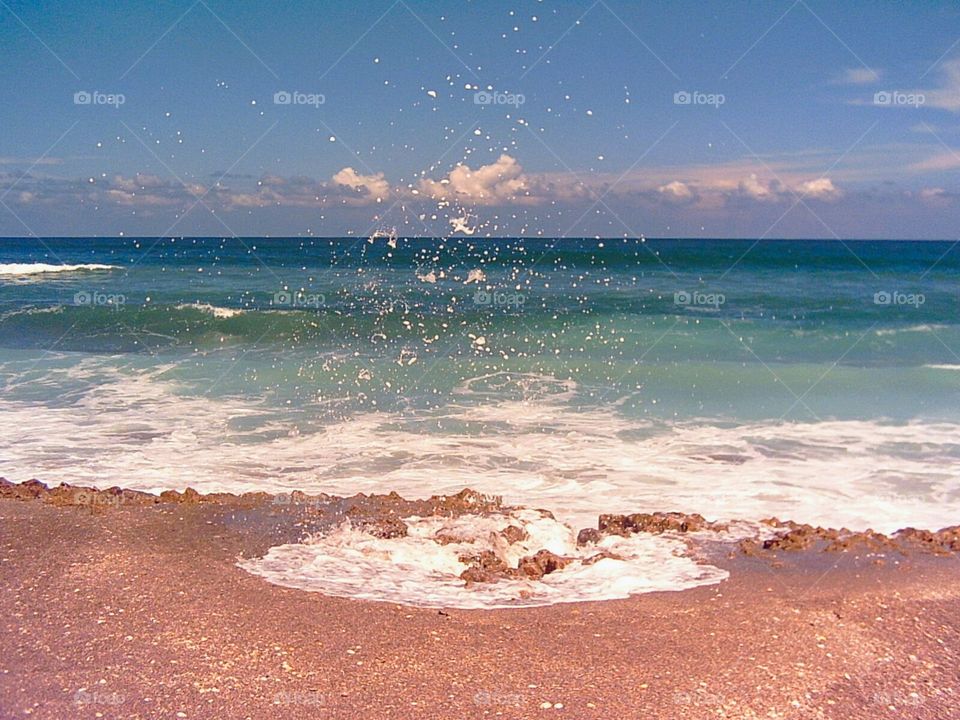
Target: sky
x=796, y=119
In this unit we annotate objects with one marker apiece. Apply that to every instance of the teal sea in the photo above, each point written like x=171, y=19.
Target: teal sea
x=814, y=380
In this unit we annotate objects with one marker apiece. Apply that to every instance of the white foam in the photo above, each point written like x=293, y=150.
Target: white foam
x=48, y=310
x=19, y=269
x=215, y=310
x=419, y=570
x=924, y=328
x=142, y=432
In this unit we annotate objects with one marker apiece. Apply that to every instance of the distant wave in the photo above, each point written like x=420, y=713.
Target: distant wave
x=911, y=329
x=42, y=268
x=215, y=310
x=942, y=366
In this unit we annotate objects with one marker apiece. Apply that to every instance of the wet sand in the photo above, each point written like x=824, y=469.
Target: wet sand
x=139, y=611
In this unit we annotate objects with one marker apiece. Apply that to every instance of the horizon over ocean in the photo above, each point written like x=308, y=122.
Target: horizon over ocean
x=491, y=238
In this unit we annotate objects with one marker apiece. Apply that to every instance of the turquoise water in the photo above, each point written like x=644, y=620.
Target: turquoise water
x=726, y=376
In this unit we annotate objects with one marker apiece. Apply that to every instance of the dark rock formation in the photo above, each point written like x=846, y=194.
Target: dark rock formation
x=587, y=536
x=514, y=534
x=387, y=526
x=542, y=563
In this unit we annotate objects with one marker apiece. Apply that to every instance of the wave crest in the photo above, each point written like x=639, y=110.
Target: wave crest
x=22, y=269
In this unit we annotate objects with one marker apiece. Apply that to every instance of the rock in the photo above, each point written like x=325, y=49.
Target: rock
x=29, y=490
x=949, y=538
x=190, y=496
x=385, y=527
x=588, y=536
x=612, y=525
x=485, y=566
x=255, y=497
x=446, y=538
x=65, y=494
x=867, y=541
x=514, y=534
x=543, y=563
x=665, y=522
x=940, y=543
x=298, y=496
x=654, y=523
x=465, y=501
x=474, y=574
x=34, y=487
x=799, y=538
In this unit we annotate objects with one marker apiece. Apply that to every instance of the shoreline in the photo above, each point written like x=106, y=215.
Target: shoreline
x=137, y=609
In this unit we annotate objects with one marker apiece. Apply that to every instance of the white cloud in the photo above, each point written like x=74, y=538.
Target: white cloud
x=937, y=196
x=145, y=190
x=753, y=188
x=500, y=182
x=938, y=162
x=857, y=76
x=947, y=96
x=820, y=189
x=676, y=190
x=30, y=161
x=367, y=187
x=141, y=199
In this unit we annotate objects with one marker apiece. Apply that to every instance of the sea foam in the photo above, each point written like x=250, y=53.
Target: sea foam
x=20, y=269
x=145, y=432
x=420, y=570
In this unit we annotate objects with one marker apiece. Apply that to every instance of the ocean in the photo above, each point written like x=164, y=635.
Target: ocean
x=815, y=381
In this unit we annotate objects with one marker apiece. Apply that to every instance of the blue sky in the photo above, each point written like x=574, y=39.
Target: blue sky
x=780, y=119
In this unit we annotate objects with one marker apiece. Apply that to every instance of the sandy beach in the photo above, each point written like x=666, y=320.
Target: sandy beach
x=138, y=610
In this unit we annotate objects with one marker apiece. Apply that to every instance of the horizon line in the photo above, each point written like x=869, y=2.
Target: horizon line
x=466, y=237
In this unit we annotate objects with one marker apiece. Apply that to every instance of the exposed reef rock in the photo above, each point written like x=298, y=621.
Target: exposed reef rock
x=788, y=536
x=382, y=516
x=656, y=523
x=388, y=526
x=488, y=567
x=792, y=537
